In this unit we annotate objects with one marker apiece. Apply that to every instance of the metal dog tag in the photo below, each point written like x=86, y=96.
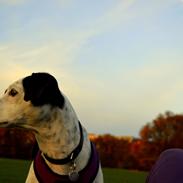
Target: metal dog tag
x=73, y=176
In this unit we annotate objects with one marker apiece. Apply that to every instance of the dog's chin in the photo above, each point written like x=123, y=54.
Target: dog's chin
x=4, y=124
x=16, y=125
x=7, y=124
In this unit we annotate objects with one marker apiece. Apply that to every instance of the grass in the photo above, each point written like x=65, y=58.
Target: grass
x=12, y=171
x=123, y=176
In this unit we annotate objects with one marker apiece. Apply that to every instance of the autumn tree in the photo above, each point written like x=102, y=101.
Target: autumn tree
x=113, y=151
x=16, y=143
x=164, y=132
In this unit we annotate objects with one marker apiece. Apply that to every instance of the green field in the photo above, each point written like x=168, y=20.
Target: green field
x=123, y=176
x=15, y=171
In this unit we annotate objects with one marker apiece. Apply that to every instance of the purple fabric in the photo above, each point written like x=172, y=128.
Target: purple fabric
x=45, y=175
x=168, y=168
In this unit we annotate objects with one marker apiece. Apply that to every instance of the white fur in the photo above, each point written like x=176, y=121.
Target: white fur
x=56, y=130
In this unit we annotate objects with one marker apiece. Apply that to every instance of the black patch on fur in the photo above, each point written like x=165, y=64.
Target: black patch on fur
x=41, y=89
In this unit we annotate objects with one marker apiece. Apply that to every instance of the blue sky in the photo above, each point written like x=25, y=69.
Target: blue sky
x=119, y=61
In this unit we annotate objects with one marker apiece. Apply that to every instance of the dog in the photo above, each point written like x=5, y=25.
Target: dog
x=65, y=151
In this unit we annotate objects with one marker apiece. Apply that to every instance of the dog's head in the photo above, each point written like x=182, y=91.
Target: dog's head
x=26, y=98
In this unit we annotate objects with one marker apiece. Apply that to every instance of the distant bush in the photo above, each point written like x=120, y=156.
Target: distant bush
x=16, y=143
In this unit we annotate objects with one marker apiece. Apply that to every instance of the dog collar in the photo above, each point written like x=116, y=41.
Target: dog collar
x=72, y=156
x=87, y=175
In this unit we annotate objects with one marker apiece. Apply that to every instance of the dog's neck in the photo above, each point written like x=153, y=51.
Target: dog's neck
x=60, y=137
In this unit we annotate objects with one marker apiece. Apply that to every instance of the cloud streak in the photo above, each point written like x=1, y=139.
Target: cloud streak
x=12, y=2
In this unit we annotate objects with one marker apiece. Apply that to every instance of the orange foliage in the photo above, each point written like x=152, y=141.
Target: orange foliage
x=162, y=133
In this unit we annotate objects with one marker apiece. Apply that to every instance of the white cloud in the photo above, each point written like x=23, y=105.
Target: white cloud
x=12, y=2
x=59, y=49
x=19, y=60
x=116, y=15
x=64, y=3
x=63, y=47
x=56, y=51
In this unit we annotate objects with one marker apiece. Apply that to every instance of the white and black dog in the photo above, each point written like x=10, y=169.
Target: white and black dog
x=66, y=153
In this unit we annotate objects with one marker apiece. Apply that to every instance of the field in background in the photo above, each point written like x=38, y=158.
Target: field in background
x=123, y=176
x=12, y=171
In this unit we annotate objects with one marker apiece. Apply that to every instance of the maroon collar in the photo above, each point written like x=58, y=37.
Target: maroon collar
x=44, y=174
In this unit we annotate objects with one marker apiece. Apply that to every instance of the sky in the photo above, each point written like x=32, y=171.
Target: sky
x=118, y=61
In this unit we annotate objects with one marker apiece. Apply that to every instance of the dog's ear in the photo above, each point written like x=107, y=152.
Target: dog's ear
x=42, y=88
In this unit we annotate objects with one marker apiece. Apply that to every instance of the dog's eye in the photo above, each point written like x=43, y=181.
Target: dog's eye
x=13, y=92
x=5, y=91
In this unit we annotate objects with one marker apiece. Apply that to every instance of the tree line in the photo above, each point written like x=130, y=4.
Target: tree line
x=164, y=132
